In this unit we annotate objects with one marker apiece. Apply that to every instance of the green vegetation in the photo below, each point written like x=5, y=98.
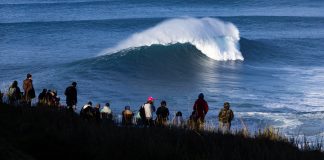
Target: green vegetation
x=50, y=133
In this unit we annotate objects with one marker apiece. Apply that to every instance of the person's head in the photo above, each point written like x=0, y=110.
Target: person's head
x=74, y=84
x=90, y=103
x=127, y=107
x=179, y=114
x=44, y=90
x=226, y=105
x=163, y=103
x=14, y=84
x=201, y=96
x=150, y=100
x=98, y=105
x=29, y=76
x=108, y=104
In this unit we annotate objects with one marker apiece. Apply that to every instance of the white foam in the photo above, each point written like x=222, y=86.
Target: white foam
x=285, y=120
x=213, y=37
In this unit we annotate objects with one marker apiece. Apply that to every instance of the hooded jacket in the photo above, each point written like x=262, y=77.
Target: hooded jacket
x=201, y=108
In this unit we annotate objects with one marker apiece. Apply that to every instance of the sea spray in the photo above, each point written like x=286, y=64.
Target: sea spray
x=213, y=37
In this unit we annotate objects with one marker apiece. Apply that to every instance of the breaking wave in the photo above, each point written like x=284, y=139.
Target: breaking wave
x=216, y=39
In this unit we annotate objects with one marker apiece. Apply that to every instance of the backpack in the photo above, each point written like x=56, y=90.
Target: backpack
x=142, y=112
x=11, y=92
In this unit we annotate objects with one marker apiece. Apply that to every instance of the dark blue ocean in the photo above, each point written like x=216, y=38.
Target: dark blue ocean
x=265, y=57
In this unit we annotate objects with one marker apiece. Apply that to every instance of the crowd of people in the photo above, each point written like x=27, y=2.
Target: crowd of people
x=143, y=117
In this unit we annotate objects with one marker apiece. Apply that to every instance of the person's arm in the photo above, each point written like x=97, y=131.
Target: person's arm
x=194, y=107
x=232, y=115
x=219, y=114
x=66, y=91
x=206, y=108
x=74, y=95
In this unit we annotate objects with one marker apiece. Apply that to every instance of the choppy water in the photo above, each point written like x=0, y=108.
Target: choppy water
x=266, y=58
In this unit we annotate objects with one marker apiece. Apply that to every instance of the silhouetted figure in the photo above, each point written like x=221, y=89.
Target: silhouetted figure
x=71, y=96
x=96, y=113
x=146, y=112
x=201, y=108
x=162, y=114
x=192, y=122
x=52, y=99
x=178, y=120
x=106, y=113
x=225, y=117
x=42, y=98
x=128, y=115
x=86, y=111
x=14, y=93
x=29, y=91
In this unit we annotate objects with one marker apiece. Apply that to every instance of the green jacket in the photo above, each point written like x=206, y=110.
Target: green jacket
x=225, y=115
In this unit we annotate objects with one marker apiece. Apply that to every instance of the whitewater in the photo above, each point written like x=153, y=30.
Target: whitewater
x=214, y=38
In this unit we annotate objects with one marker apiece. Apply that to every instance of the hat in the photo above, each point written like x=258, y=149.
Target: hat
x=201, y=95
x=150, y=98
x=226, y=104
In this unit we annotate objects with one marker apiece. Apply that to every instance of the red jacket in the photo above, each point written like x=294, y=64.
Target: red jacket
x=201, y=107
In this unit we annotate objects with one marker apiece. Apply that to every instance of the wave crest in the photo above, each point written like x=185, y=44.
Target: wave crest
x=213, y=37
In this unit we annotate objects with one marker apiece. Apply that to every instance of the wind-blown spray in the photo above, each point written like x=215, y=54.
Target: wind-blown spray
x=213, y=37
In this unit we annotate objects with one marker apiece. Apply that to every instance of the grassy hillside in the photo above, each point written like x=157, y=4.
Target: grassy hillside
x=47, y=133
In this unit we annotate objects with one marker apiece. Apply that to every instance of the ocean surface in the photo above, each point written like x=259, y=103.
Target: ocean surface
x=265, y=57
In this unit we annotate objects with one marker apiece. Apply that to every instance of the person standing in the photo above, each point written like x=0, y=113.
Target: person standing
x=71, y=96
x=178, y=121
x=147, y=112
x=128, y=115
x=106, y=113
x=29, y=91
x=225, y=117
x=162, y=114
x=201, y=108
x=14, y=93
x=42, y=98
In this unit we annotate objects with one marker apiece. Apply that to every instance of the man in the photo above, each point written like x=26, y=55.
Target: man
x=14, y=93
x=71, y=96
x=201, y=108
x=127, y=116
x=29, y=91
x=106, y=113
x=225, y=118
x=162, y=114
x=87, y=111
x=42, y=97
x=148, y=109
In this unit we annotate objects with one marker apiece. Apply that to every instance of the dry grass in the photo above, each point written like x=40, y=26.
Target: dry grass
x=47, y=133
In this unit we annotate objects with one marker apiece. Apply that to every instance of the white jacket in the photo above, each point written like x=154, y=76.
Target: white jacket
x=148, y=110
x=106, y=109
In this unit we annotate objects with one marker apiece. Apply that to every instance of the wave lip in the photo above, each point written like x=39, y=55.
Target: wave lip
x=213, y=37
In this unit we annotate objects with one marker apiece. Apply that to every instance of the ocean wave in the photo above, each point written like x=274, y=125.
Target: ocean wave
x=214, y=38
x=279, y=120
